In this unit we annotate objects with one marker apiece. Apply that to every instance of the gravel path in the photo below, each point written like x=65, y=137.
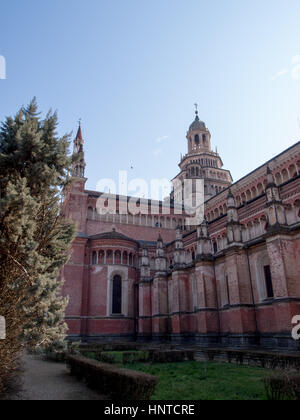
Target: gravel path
x=43, y=380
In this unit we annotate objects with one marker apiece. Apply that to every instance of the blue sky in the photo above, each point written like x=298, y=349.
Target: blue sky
x=132, y=71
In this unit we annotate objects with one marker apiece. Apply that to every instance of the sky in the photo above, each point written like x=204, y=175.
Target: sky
x=132, y=71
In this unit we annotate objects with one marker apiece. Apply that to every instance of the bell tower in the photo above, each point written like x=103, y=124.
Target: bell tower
x=75, y=204
x=78, y=153
x=200, y=163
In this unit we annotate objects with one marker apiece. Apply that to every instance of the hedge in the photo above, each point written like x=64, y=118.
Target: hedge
x=111, y=381
x=257, y=358
x=104, y=347
x=146, y=356
x=283, y=386
x=171, y=356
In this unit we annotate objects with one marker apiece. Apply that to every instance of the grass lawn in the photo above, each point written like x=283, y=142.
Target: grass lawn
x=205, y=381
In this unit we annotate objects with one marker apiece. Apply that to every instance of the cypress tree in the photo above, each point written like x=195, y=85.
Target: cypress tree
x=35, y=168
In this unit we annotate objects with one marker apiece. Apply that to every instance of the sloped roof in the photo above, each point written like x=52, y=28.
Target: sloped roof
x=79, y=134
x=112, y=235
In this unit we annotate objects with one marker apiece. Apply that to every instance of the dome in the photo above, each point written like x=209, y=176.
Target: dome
x=197, y=125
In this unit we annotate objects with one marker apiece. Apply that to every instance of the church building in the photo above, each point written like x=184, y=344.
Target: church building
x=231, y=280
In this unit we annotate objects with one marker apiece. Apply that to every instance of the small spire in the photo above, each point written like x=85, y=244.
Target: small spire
x=78, y=151
x=230, y=195
x=196, y=111
x=270, y=178
x=197, y=124
x=79, y=132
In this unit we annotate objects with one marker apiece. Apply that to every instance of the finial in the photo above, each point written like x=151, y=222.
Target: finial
x=230, y=195
x=196, y=107
x=79, y=122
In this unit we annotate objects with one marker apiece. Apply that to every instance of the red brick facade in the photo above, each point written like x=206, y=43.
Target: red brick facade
x=233, y=280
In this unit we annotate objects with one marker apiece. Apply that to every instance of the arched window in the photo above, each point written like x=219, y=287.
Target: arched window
x=215, y=245
x=269, y=284
x=118, y=257
x=197, y=140
x=109, y=257
x=94, y=258
x=117, y=295
x=130, y=259
x=101, y=257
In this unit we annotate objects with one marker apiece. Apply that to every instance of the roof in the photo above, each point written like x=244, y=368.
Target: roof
x=148, y=244
x=79, y=134
x=112, y=235
x=123, y=198
x=197, y=125
x=255, y=170
x=82, y=235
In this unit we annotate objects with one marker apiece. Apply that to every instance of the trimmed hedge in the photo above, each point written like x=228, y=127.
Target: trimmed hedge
x=283, y=386
x=135, y=357
x=121, y=357
x=255, y=358
x=173, y=356
x=105, y=347
x=139, y=356
x=108, y=380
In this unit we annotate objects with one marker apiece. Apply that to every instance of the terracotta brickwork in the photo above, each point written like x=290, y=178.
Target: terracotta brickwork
x=234, y=280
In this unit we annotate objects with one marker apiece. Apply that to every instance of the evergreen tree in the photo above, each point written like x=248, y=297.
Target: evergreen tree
x=34, y=238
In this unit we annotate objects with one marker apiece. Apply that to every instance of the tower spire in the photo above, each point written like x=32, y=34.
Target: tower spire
x=78, y=152
x=79, y=132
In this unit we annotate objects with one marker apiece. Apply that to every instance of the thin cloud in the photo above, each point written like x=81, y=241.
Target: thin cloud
x=157, y=152
x=280, y=74
x=161, y=139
